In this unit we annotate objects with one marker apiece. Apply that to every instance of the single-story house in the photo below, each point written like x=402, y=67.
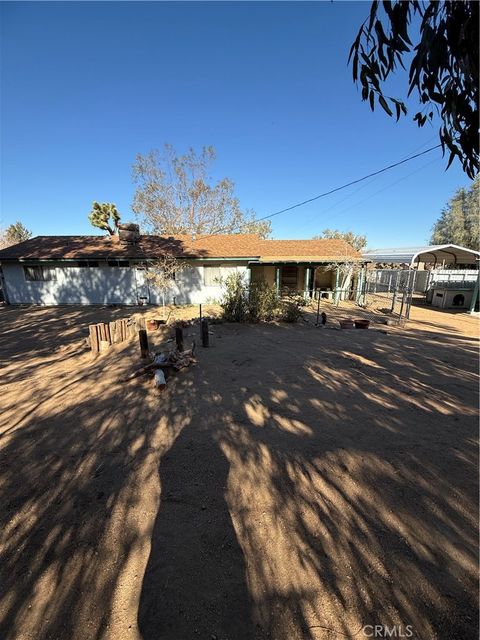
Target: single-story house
x=50, y=270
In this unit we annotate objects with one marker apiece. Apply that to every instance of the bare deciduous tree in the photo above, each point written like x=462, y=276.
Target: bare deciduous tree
x=355, y=240
x=176, y=195
x=162, y=273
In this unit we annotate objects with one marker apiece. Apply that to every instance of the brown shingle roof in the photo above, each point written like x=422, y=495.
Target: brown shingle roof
x=149, y=247
x=306, y=250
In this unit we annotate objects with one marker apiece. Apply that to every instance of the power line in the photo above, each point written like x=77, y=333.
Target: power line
x=363, y=186
x=375, y=193
x=327, y=193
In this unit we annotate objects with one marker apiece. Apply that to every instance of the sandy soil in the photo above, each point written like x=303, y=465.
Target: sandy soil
x=298, y=483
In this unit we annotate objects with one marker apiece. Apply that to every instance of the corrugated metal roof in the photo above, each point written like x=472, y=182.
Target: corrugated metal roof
x=450, y=253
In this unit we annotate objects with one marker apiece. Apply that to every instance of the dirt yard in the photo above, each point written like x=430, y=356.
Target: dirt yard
x=298, y=483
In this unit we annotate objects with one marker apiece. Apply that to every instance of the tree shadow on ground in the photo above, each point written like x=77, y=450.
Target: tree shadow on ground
x=351, y=495
x=337, y=471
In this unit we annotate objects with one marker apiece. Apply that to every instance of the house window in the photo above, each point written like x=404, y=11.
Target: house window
x=36, y=273
x=87, y=263
x=118, y=263
x=211, y=276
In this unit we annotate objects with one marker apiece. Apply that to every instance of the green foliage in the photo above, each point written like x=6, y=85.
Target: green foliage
x=14, y=234
x=175, y=195
x=262, y=302
x=443, y=68
x=257, y=302
x=234, y=302
x=290, y=309
x=356, y=241
x=105, y=216
x=459, y=222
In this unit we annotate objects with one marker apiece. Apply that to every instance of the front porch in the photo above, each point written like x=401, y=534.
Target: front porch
x=306, y=279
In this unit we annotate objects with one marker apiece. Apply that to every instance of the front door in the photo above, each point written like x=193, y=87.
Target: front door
x=290, y=278
x=143, y=292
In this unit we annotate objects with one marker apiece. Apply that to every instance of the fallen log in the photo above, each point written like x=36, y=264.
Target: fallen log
x=159, y=380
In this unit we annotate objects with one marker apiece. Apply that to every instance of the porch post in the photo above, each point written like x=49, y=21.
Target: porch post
x=277, y=279
x=337, y=278
x=359, y=286
x=307, y=282
x=475, y=294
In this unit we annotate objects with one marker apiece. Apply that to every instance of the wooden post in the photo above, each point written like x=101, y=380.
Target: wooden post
x=473, y=303
x=94, y=341
x=200, y=313
x=142, y=335
x=306, y=282
x=113, y=337
x=318, y=308
x=205, y=336
x=179, y=338
x=337, y=281
x=107, y=333
x=101, y=332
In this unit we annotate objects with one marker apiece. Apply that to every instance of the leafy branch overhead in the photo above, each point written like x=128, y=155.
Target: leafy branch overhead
x=443, y=68
x=105, y=216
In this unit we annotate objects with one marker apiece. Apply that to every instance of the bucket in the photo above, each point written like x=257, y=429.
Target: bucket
x=362, y=324
x=346, y=324
x=152, y=325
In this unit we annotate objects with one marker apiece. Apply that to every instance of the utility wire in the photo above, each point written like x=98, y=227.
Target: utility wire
x=357, y=204
x=318, y=215
x=327, y=193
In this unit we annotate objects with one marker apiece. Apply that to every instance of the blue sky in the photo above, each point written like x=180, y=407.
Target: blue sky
x=87, y=86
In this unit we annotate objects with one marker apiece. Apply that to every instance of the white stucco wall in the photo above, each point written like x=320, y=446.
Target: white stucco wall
x=108, y=285
x=190, y=287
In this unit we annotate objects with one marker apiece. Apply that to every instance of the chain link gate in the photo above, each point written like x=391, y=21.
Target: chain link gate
x=389, y=291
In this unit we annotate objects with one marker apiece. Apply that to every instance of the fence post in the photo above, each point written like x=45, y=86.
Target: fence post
x=179, y=338
x=205, y=337
x=142, y=335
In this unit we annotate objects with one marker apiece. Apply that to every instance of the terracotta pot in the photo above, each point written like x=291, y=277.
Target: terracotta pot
x=362, y=324
x=346, y=324
x=152, y=325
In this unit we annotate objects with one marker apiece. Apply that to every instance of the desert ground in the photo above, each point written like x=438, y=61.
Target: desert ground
x=297, y=483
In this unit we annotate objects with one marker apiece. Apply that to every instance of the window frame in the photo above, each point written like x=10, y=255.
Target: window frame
x=207, y=269
x=45, y=273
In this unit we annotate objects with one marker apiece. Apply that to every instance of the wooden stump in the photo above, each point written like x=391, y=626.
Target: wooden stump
x=205, y=336
x=144, y=351
x=94, y=338
x=179, y=338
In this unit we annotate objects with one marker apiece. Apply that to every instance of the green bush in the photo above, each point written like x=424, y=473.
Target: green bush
x=235, y=298
x=262, y=302
x=291, y=308
x=257, y=302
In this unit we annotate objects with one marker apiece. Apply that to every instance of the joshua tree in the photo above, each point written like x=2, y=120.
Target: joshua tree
x=105, y=216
